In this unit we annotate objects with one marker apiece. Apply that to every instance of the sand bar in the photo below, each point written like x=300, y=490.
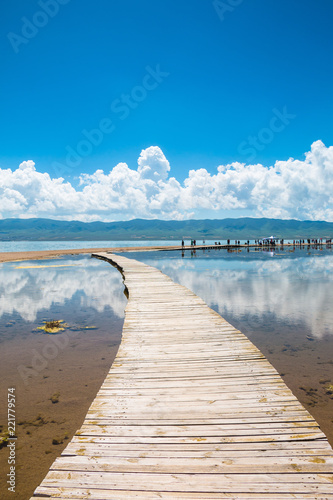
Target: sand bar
x=52, y=254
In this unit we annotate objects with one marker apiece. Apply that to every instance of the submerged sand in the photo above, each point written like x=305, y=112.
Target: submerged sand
x=52, y=406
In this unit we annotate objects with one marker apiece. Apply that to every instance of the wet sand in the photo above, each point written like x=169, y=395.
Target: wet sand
x=53, y=403
x=305, y=364
x=49, y=254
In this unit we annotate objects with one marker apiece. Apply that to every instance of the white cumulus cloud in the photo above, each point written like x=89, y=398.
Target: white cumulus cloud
x=300, y=189
x=153, y=164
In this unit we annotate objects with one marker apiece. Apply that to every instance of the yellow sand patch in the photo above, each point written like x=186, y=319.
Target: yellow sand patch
x=53, y=326
x=38, y=267
x=57, y=325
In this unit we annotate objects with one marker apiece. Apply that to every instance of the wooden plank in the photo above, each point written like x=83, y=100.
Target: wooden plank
x=169, y=452
x=305, y=448
x=107, y=494
x=211, y=483
x=248, y=418
x=260, y=438
x=189, y=409
x=102, y=427
x=193, y=465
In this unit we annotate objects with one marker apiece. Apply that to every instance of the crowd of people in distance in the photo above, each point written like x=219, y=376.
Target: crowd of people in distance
x=265, y=242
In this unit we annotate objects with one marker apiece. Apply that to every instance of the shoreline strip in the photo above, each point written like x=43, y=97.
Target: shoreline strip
x=53, y=254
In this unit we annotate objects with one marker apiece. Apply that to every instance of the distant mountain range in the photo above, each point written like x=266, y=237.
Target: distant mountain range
x=141, y=229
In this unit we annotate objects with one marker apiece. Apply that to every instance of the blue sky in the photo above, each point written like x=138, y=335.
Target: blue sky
x=209, y=83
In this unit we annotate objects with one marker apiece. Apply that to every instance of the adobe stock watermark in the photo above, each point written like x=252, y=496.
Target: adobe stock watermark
x=120, y=108
x=279, y=121
x=40, y=359
x=224, y=7
x=31, y=27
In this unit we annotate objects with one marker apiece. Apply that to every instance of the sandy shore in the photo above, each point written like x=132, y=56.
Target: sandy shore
x=52, y=254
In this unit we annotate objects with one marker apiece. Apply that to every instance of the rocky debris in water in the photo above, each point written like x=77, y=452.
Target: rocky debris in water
x=312, y=393
x=329, y=389
x=55, y=397
x=58, y=325
x=37, y=422
x=60, y=439
x=53, y=326
x=79, y=328
x=4, y=435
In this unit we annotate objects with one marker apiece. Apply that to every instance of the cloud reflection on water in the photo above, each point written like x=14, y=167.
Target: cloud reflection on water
x=294, y=291
x=29, y=291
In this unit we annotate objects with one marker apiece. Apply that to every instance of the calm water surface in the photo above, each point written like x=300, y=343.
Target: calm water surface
x=55, y=376
x=292, y=288
x=281, y=300
x=23, y=246
x=78, y=289
x=85, y=293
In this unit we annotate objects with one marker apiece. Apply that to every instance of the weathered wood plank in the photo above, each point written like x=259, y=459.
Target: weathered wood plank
x=183, y=482
x=250, y=453
x=193, y=465
x=171, y=452
x=107, y=494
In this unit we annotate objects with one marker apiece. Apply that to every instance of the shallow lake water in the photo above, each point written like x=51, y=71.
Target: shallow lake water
x=55, y=376
x=78, y=289
x=281, y=300
x=26, y=246
x=290, y=288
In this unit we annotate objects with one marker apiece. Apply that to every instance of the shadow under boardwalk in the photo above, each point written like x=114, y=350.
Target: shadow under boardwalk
x=190, y=409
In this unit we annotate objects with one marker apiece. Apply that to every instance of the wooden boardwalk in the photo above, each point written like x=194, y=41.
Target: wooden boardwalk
x=190, y=409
